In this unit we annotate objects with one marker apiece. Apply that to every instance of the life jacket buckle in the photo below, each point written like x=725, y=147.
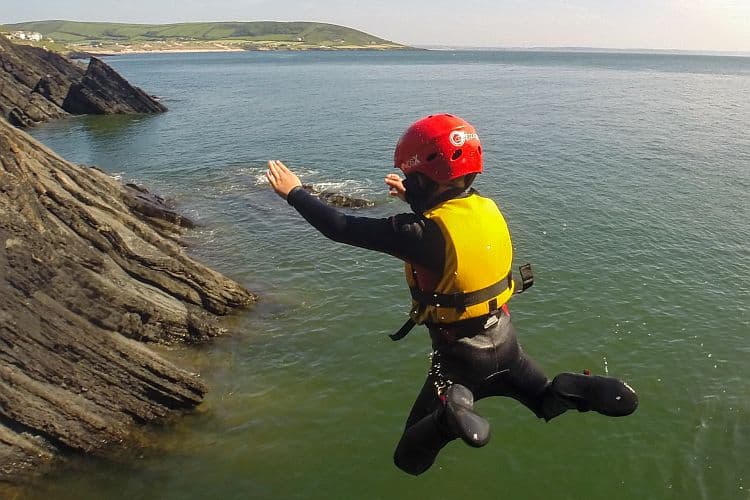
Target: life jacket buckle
x=491, y=321
x=527, y=278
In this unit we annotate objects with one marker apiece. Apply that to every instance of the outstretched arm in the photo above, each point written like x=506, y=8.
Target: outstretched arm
x=375, y=234
x=404, y=236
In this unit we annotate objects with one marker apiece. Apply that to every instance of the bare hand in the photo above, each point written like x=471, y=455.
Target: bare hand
x=282, y=179
x=396, y=186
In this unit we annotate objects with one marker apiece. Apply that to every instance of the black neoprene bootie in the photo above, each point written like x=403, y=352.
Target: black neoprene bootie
x=461, y=418
x=606, y=395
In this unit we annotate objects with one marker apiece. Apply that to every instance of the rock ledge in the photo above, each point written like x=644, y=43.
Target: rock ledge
x=88, y=273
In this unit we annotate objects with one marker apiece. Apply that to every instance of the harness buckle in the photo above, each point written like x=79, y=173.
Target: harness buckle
x=491, y=321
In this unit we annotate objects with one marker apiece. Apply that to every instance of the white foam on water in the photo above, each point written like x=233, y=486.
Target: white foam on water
x=259, y=174
x=349, y=187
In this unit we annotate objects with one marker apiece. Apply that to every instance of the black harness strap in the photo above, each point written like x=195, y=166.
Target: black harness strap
x=403, y=331
x=461, y=300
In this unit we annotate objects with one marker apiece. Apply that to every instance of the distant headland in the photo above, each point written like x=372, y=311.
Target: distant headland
x=116, y=38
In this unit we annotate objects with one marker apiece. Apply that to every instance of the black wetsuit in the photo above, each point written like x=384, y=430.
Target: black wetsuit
x=489, y=362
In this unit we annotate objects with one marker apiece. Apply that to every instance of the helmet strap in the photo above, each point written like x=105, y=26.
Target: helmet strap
x=420, y=189
x=422, y=193
x=469, y=180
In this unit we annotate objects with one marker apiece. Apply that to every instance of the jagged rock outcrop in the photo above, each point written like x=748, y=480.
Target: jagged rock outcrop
x=85, y=279
x=37, y=85
x=103, y=91
x=154, y=207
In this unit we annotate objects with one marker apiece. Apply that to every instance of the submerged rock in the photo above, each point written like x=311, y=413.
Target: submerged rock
x=338, y=199
x=85, y=279
x=154, y=207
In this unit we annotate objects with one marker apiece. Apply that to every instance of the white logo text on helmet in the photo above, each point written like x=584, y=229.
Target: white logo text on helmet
x=458, y=137
x=411, y=162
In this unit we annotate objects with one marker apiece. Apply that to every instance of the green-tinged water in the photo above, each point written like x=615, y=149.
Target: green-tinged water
x=626, y=182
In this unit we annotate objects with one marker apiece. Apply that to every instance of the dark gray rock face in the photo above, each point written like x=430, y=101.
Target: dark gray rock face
x=155, y=208
x=85, y=279
x=103, y=91
x=37, y=86
x=21, y=69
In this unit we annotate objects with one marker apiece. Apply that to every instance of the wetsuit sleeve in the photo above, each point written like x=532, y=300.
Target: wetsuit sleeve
x=406, y=236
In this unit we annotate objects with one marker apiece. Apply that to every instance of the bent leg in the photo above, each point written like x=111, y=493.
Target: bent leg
x=518, y=376
x=423, y=436
x=567, y=391
x=515, y=374
x=453, y=417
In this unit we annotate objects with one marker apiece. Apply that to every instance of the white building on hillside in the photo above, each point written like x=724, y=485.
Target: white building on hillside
x=27, y=35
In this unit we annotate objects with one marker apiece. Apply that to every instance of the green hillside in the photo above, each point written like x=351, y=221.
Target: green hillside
x=73, y=32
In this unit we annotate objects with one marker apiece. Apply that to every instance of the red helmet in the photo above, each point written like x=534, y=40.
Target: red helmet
x=442, y=147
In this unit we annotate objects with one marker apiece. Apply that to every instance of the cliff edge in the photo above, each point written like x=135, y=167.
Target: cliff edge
x=89, y=270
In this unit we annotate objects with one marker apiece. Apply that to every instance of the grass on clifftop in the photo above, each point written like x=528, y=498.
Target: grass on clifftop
x=320, y=34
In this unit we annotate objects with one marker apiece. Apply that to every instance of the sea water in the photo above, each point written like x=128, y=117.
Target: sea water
x=625, y=179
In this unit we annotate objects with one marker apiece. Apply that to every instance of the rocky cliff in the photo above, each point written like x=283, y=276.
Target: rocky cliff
x=89, y=271
x=103, y=91
x=37, y=85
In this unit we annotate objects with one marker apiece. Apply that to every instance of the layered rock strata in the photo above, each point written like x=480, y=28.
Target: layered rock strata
x=89, y=271
x=37, y=85
x=103, y=91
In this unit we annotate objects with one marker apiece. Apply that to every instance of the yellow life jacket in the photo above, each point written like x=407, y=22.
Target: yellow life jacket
x=476, y=278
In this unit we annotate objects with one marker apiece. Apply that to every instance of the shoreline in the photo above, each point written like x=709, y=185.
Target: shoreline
x=109, y=53
x=158, y=51
x=94, y=271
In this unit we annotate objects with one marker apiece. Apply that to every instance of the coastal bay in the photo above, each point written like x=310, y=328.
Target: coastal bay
x=623, y=178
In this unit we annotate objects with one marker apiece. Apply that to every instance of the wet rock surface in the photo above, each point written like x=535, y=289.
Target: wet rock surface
x=338, y=199
x=156, y=208
x=90, y=270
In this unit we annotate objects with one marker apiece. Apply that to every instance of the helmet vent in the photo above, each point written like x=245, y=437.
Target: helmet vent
x=432, y=157
x=479, y=149
x=456, y=154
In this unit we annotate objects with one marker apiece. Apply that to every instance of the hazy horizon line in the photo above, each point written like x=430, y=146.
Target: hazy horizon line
x=582, y=48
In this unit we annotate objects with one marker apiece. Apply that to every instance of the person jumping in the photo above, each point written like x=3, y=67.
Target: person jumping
x=458, y=257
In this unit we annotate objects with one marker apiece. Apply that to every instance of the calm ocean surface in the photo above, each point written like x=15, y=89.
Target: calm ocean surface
x=626, y=182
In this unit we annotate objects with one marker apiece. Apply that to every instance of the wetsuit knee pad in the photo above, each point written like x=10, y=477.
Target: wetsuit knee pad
x=462, y=420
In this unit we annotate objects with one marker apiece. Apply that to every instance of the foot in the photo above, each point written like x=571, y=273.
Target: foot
x=461, y=418
x=606, y=395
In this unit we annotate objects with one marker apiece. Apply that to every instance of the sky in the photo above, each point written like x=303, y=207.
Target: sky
x=722, y=25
